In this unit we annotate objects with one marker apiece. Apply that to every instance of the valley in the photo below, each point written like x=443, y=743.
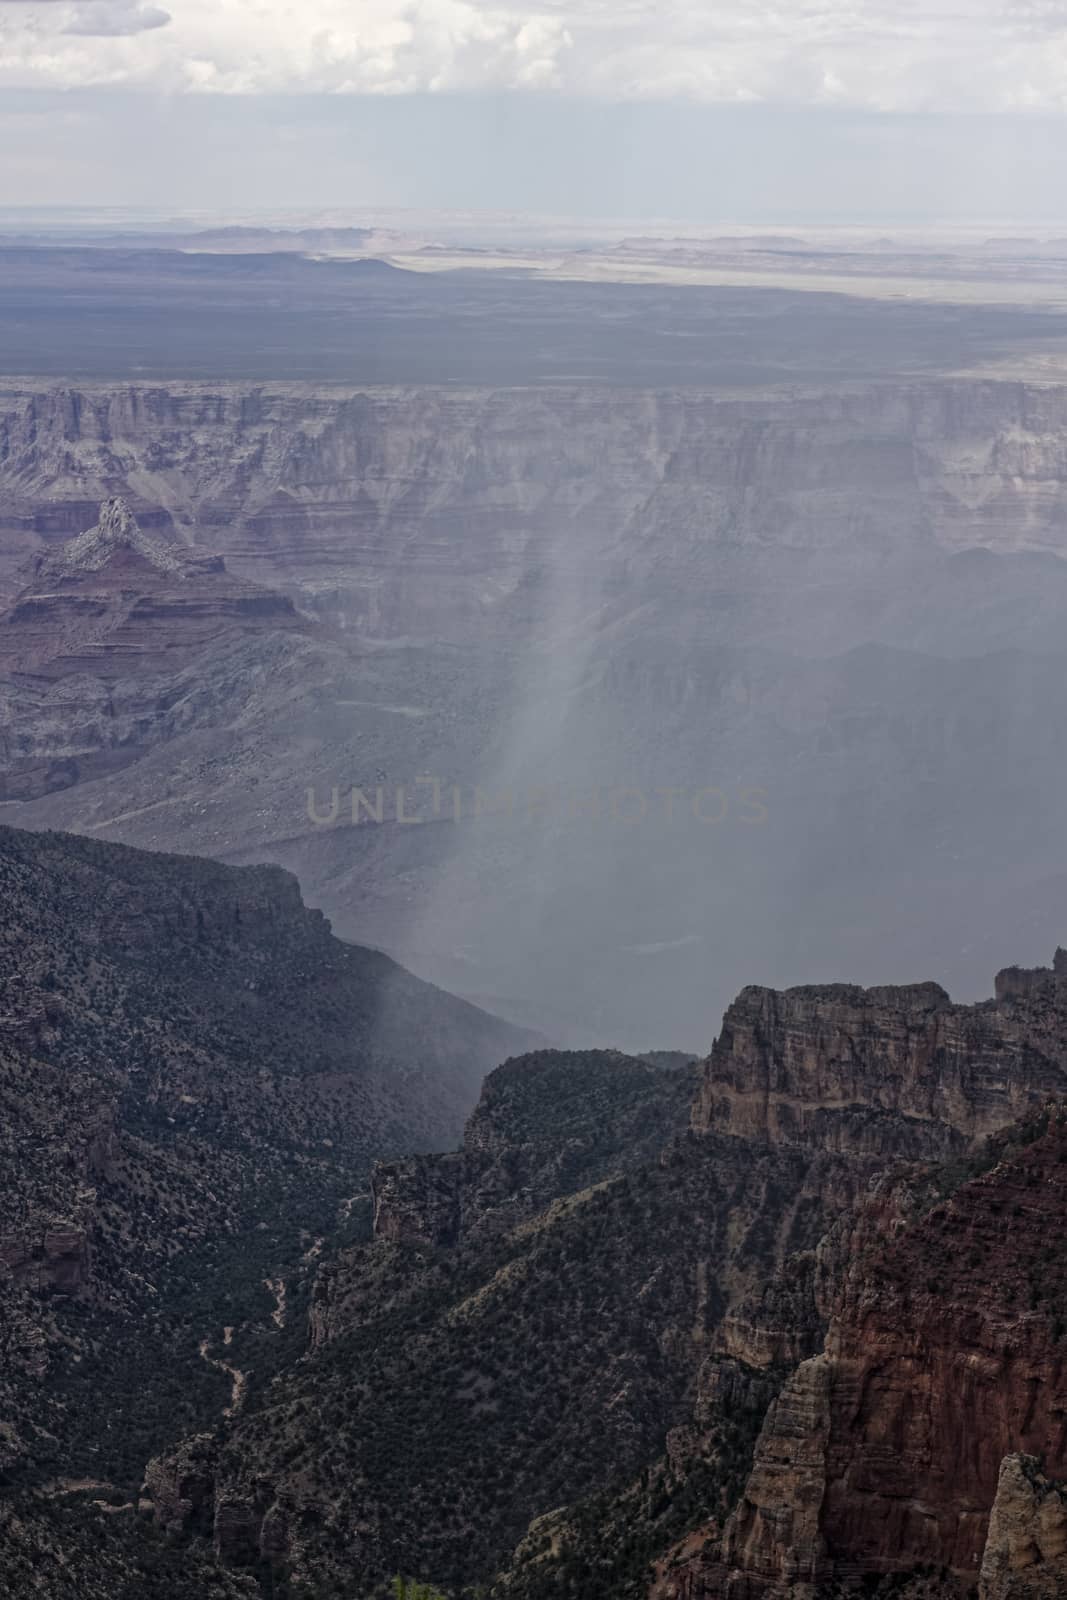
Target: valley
x=515, y=782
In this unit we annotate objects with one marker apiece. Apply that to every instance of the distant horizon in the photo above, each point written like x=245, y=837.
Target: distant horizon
x=337, y=215
x=532, y=155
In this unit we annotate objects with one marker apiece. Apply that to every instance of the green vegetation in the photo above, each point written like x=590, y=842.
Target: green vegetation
x=411, y=1589
x=195, y=1078
x=603, y=1547
x=451, y=1399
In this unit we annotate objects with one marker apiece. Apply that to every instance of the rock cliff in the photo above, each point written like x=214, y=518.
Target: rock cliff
x=844, y=1145
x=943, y=1359
x=888, y=1069
x=416, y=486
x=897, y=1359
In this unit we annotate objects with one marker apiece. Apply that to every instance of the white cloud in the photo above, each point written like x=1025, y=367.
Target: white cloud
x=891, y=55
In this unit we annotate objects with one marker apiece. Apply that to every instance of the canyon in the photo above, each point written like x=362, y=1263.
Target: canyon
x=823, y=1351
x=620, y=661
x=809, y=1288
x=665, y=661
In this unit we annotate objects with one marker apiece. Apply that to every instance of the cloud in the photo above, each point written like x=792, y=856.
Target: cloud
x=93, y=19
x=103, y=21
x=882, y=55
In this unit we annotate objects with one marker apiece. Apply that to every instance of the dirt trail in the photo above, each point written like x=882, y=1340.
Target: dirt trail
x=127, y=816
x=344, y=1210
x=237, y=1378
x=277, y=1289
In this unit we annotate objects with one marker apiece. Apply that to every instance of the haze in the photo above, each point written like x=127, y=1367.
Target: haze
x=878, y=112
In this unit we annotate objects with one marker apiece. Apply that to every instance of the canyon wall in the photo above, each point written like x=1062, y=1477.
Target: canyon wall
x=925, y=1332
x=428, y=509
x=944, y=1358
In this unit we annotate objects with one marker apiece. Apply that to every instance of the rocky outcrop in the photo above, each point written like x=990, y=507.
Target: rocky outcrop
x=116, y=598
x=246, y=1526
x=59, y=1262
x=179, y=1487
x=781, y=1322
x=238, y=1531
x=891, y=1071
x=546, y=1125
x=1027, y=983
x=1026, y=1548
x=418, y=1200
x=774, y=1542
x=95, y=646
x=117, y=537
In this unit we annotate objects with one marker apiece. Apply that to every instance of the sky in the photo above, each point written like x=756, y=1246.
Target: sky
x=841, y=110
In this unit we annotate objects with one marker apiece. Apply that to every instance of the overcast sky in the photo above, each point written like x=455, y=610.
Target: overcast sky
x=845, y=109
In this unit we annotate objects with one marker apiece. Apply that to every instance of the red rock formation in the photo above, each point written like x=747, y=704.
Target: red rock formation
x=944, y=1351
x=946, y=1354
